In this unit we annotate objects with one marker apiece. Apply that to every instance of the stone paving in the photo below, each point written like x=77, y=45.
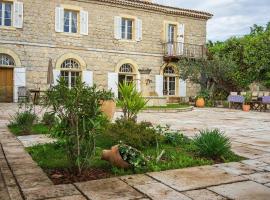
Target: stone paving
x=22, y=179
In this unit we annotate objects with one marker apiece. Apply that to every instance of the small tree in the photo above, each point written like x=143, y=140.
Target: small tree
x=80, y=119
x=130, y=101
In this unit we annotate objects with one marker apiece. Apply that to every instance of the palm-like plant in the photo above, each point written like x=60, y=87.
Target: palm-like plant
x=131, y=101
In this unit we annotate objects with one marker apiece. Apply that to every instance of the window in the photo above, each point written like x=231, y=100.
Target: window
x=5, y=14
x=127, y=28
x=70, y=21
x=171, y=33
x=169, y=81
x=126, y=68
x=70, y=71
x=6, y=60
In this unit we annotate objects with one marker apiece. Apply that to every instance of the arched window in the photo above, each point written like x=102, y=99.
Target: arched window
x=70, y=71
x=6, y=60
x=126, y=68
x=169, y=81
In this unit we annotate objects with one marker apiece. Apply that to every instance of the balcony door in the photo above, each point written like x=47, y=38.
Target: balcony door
x=171, y=39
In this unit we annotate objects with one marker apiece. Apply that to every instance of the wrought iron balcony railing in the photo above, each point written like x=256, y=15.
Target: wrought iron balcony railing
x=185, y=50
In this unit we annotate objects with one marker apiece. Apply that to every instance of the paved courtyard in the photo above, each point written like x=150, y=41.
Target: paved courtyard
x=21, y=178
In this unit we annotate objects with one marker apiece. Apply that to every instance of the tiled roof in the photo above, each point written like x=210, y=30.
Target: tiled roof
x=160, y=8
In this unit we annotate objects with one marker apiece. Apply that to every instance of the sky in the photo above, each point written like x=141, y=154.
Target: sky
x=231, y=17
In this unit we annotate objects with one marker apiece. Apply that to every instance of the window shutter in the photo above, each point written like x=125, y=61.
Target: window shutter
x=117, y=27
x=138, y=30
x=181, y=38
x=84, y=22
x=113, y=83
x=56, y=76
x=18, y=14
x=138, y=85
x=59, y=19
x=87, y=78
x=159, y=85
x=19, y=80
x=182, y=88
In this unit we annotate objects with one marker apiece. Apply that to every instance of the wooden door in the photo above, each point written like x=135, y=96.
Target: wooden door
x=6, y=84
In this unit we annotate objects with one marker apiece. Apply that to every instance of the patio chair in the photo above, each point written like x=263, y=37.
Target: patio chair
x=23, y=94
x=266, y=93
x=243, y=93
x=233, y=93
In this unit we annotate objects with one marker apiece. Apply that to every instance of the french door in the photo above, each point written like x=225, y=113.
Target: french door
x=169, y=86
x=6, y=84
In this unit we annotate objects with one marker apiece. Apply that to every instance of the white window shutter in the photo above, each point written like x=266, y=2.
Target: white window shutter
x=138, y=30
x=159, y=85
x=56, y=76
x=84, y=22
x=59, y=19
x=113, y=83
x=181, y=38
x=138, y=85
x=87, y=78
x=18, y=14
x=19, y=80
x=182, y=88
x=117, y=27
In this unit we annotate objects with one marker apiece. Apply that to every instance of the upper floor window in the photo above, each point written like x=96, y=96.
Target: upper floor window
x=171, y=33
x=70, y=21
x=5, y=14
x=6, y=60
x=127, y=29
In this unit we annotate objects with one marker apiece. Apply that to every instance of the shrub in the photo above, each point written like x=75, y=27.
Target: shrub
x=49, y=119
x=80, y=119
x=131, y=101
x=212, y=144
x=176, y=138
x=139, y=135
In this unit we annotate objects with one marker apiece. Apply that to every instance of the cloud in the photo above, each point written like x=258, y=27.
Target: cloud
x=231, y=17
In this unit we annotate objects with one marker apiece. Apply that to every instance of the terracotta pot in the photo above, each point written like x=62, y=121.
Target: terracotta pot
x=200, y=103
x=113, y=156
x=246, y=108
x=108, y=108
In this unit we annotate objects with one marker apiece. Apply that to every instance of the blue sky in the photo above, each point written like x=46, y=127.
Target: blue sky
x=231, y=17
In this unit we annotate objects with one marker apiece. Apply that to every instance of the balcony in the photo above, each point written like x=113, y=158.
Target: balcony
x=173, y=51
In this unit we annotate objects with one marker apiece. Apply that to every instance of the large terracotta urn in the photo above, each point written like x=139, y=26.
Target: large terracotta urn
x=108, y=107
x=200, y=103
x=113, y=156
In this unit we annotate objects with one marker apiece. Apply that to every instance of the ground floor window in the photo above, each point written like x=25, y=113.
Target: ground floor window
x=169, y=81
x=70, y=71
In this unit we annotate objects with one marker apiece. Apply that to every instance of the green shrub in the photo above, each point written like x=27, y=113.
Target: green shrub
x=24, y=120
x=139, y=135
x=212, y=144
x=176, y=138
x=49, y=119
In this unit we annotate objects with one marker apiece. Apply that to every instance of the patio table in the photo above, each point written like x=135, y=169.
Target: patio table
x=236, y=101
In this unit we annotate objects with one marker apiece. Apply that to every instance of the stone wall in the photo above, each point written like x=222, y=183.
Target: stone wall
x=37, y=41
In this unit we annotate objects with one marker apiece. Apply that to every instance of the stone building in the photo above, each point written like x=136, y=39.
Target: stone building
x=106, y=42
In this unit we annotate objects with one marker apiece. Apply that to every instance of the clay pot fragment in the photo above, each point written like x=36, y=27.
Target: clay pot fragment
x=113, y=156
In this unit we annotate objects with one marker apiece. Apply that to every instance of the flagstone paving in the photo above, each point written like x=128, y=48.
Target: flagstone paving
x=22, y=179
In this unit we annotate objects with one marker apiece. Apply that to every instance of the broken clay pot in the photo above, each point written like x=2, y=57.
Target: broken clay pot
x=113, y=156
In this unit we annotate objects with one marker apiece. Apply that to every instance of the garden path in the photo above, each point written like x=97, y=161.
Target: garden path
x=21, y=178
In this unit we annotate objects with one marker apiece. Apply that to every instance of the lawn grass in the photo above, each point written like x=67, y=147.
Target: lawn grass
x=36, y=129
x=53, y=156
x=169, y=106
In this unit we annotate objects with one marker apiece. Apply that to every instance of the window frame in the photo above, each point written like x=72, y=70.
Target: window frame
x=126, y=33
x=3, y=13
x=70, y=18
x=70, y=70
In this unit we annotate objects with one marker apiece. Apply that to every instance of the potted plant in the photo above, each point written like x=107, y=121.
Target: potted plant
x=201, y=98
x=124, y=156
x=246, y=105
x=108, y=105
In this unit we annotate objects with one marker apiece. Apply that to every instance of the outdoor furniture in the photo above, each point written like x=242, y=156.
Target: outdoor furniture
x=35, y=93
x=23, y=94
x=265, y=103
x=236, y=101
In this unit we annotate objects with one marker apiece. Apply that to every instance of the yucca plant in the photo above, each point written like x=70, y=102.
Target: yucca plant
x=131, y=101
x=212, y=144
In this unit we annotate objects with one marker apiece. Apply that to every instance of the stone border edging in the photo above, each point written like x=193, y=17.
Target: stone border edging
x=164, y=110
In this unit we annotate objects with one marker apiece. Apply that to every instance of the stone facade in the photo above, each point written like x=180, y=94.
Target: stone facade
x=37, y=41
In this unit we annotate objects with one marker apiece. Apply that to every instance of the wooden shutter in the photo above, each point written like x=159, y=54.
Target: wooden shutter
x=84, y=22
x=159, y=85
x=138, y=30
x=113, y=83
x=19, y=80
x=181, y=39
x=59, y=19
x=182, y=88
x=18, y=14
x=117, y=27
x=56, y=76
x=87, y=78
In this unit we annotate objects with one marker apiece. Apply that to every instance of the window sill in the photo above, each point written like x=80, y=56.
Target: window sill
x=71, y=34
x=8, y=28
